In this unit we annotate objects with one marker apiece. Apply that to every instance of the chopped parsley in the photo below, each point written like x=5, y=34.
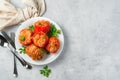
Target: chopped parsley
x=31, y=28
x=22, y=50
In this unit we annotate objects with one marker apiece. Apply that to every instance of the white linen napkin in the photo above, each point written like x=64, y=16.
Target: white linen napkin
x=11, y=15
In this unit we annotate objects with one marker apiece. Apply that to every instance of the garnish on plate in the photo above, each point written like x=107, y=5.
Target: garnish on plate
x=22, y=50
x=31, y=28
x=45, y=71
x=53, y=31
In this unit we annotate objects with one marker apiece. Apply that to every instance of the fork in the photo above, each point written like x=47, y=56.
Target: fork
x=15, y=73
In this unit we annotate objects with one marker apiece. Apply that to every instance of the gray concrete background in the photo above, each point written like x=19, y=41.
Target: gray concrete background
x=92, y=42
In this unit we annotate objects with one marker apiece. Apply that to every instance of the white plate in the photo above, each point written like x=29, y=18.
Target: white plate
x=48, y=58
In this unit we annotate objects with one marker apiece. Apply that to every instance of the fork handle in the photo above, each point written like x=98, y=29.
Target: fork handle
x=27, y=65
x=15, y=73
x=19, y=58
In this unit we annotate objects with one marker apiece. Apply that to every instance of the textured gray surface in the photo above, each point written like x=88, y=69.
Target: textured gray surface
x=92, y=42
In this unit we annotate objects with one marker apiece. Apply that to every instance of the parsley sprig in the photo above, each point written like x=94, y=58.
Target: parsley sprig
x=53, y=31
x=22, y=50
x=45, y=71
x=31, y=28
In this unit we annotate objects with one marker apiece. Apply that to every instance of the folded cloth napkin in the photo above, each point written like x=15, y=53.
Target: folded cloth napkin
x=11, y=15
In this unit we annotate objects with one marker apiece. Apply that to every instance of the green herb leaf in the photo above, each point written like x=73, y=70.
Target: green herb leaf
x=53, y=31
x=22, y=38
x=49, y=70
x=46, y=67
x=59, y=31
x=31, y=28
x=42, y=71
x=22, y=50
x=45, y=71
